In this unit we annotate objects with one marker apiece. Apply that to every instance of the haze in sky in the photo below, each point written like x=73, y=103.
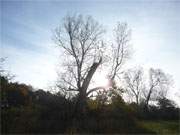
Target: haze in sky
x=27, y=30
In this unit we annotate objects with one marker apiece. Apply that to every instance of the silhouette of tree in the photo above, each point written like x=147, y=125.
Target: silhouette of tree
x=159, y=83
x=120, y=49
x=134, y=83
x=80, y=39
x=164, y=103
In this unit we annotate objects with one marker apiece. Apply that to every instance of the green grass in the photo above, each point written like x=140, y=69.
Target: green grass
x=162, y=127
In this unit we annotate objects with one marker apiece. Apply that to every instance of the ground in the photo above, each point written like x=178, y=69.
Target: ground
x=162, y=127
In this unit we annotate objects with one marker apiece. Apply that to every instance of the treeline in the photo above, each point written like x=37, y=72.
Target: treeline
x=24, y=110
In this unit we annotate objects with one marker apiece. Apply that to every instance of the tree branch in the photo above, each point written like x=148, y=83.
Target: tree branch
x=95, y=89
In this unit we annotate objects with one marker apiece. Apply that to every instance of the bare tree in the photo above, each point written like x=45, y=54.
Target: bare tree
x=134, y=82
x=159, y=83
x=120, y=49
x=81, y=41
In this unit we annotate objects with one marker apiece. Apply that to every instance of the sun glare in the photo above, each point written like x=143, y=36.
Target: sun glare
x=100, y=79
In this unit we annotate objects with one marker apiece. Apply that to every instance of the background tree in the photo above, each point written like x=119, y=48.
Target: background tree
x=159, y=83
x=166, y=103
x=120, y=52
x=120, y=49
x=134, y=83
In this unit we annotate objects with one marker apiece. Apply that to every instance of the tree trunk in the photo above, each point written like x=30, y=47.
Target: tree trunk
x=148, y=98
x=81, y=105
x=137, y=100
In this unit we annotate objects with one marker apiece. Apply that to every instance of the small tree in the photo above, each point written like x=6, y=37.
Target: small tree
x=134, y=83
x=120, y=49
x=159, y=83
x=165, y=103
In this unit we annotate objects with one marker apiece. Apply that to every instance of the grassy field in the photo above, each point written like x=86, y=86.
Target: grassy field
x=162, y=127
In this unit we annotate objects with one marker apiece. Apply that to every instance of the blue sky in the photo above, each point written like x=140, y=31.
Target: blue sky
x=26, y=35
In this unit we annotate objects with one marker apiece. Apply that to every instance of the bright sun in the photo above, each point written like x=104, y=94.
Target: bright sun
x=100, y=79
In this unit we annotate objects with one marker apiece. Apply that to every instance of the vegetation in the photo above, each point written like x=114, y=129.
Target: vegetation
x=162, y=127
x=26, y=111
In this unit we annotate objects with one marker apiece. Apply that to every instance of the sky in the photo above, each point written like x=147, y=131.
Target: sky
x=27, y=30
